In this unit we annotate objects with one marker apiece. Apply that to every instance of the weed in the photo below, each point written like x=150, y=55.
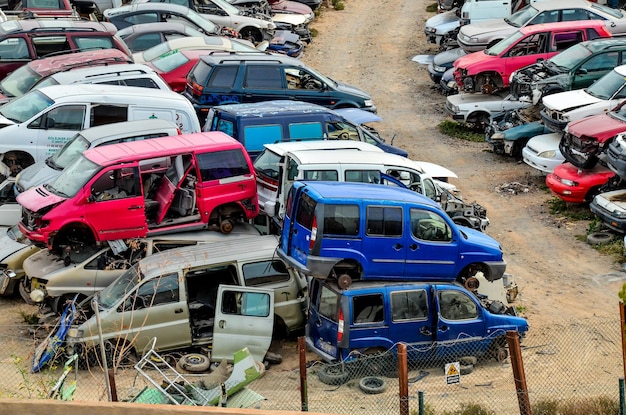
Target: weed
x=463, y=132
x=570, y=211
x=33, y=386
x=338, y=5
x=521, y=309
x=432, y=8
x=471, y=409
x=314, y=32
x=592, y=406
x=29, y=318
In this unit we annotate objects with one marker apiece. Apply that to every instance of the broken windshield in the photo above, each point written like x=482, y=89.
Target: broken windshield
x=123, y=285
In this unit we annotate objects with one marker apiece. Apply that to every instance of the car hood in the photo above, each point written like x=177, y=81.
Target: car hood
x=495, y=27
x=352, y=90
x=290, y=18
x=358, y=116
x=545, y=142
x=479, y=239
x=5, y=121
x=472, y=59
x=8, y=246
x=37, y=198
x=36, y=174
x=612, y=201
x=447, y=58
x=43, y=264
x=564, y=101
x=435, y=170
x=599, y=174
x=601, y=126
x=493, y=103
x=443, y=18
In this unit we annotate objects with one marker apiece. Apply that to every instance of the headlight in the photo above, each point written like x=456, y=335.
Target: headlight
x=498, y=136
x=438, y=68
x=431, y=30
x=474, y=40
x=547, y=154
x=37, y=296
x=454, y=109
x=465, y=38
x=619, y=213
x=564, y=118
x=567, y=182
x=368, y=103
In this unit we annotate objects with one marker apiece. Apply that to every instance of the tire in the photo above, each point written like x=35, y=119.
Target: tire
x=599, y=238
x=372, y=385
x=252, y=34
x=344, y=281
x=193, y=363
x=466, y=369
x=478, y=121
x=333, y=374
x=468, y=360
x=501, y=354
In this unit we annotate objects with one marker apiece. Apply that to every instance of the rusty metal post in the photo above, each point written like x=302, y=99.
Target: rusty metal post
x=403, y=379
x=113, y=387
x=512, y=339
x=622, y=320
x=304, y=395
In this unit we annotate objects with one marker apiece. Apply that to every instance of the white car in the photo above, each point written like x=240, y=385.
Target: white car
x=194, y=43
x=542, y=152
x=10, y=210
x=440, y=25
x=476, y=109
x=602, y=96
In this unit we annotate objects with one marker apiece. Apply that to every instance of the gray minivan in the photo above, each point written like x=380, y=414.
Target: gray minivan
x=268, y=122
x=173, y=296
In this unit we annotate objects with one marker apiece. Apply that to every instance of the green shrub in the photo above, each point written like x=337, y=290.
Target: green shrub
x=432, y=8
x=461, y=131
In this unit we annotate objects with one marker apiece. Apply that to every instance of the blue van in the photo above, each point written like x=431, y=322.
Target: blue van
x=353, y=231
x=268, y=122
x=439, y=321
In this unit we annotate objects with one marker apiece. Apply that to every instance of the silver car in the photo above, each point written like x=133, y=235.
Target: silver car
x=479, y=36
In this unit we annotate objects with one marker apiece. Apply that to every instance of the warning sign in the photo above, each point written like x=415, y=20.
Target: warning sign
x=453, y=373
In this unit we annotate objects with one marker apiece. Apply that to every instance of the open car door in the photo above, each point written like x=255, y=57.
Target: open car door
x=170, y=183
x=244, y=317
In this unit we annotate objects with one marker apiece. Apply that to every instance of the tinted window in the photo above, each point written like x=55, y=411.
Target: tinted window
x=222, y=76
x=263, y=77
x=254, y=136
x=603, y=62
x=143, y=42
x=139, y=82
x=341, y=220
x=306, y=130
x=266, y=272
x=94, y=42
x=329, y=303
x=305, y=211
x=107, y=114
x=409, y=305
x=325, y=175
x=456, y=305
x=384, y=221
x=368, y=309
x=222, y=164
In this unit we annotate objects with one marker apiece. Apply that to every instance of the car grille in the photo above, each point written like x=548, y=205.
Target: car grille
x=28, y=218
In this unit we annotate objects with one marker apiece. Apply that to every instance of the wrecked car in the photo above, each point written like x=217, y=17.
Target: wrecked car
x=603, y=95
x=508, y=133
x=616, y=156
x=584, y=141
x=14, y=249
x=476, y=110
x=575, y=185
x=489, y=71
x=173, y=296
x=611, y=208
x=542, y=152
x=442, y=62
x=575, y=68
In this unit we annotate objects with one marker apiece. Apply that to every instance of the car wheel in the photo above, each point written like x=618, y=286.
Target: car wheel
x=372, y=385
x=193, y=363
x=599, y=238
x=252, y=34
x=333, y=374
x=478, y=121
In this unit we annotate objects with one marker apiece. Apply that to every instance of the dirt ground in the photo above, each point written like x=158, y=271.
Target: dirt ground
x=562, y=280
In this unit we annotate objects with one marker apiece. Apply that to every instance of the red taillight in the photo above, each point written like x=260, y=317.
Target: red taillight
x=196, y=89
x=313, y=233
x=340, y=326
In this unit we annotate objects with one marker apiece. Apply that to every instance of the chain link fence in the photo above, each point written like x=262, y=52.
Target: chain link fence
x=563, y=366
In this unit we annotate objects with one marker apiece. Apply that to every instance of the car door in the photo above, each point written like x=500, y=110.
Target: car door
x=244, y=317
x=323, y=318
x=412, y=317
x=310, y=87
x=594, y=68
x=263, y=82
x=528, y=50
x=384, y=228
x=55, y=127
x=432, y=249
x=116, y=193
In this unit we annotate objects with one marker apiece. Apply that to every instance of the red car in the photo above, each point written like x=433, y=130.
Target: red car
x=174, y=66
x=489, y=70
x=584, y=140
x=574, y=185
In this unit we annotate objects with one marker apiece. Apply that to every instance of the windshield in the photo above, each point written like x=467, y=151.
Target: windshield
x=206, y=25
x=124, y=284
x=70, y=151
x=74, y=177
x=266, y=163
x=570, y=57
x=14, y=233
x=504, y=44
x=607, y=86
x=25, y=107
x=170, y=62
x=46, y=81
x=522, y=16
x=608, y=10
x=20, y=81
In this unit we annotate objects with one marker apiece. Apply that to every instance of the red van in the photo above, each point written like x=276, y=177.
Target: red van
x=143, y=188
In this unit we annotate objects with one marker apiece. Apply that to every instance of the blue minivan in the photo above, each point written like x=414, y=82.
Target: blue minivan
x=439, y=321
x=354, y=231
x=268, y=122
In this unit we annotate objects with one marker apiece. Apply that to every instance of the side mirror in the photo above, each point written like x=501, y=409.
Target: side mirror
x=582, y=71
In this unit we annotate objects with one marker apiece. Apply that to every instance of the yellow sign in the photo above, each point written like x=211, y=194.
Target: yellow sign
x=453, y=373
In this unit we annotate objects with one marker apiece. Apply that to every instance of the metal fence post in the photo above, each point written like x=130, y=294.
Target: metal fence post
x=512, y=339
x=420, y=402
x=403, y=379
x=622, y=319
x=304, y=396
x=621, y=396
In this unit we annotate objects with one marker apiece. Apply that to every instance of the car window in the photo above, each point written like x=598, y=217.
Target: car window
x=14, y=48
x=563, y=41
x=45, y=45
x=603, y=62
x=67, y=117
x=384, y=221
x=530, y=45
x=324, y=175
x=116, y=184
x=157, y=291
x=305, y=130
x=341, y=220
x=143, y=42
x=328, y=303
x=548, y=16
x=569, y=15
x=107, y=114
x=368, y=309
x=264, y=272
x=222, y=164
x=221, y=77
x=409, y=305
x=140, y=82
x=363, y=176
x=246, y=304
x=255, y=136
x=263, y=77
x=305, y=212
x=93, y=42
x=456, y=305
x=142, y=18
x=429, y=226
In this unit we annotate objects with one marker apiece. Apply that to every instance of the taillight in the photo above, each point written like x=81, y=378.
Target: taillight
x=313, y=233
x=196, y=89
x=340, y=326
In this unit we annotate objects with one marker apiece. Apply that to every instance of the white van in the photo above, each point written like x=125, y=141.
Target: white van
x=37, y=124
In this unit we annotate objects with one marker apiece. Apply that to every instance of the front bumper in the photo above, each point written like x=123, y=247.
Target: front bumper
x=571, y=194
x=617, y=224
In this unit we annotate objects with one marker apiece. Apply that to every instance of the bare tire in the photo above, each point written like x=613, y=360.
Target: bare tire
x=478, y=121
x=333, y=374
x=467, y=369
x=472, y=283
x=193, y=363
x=372, y=385
x=344, y=281
x=599, y=238
x=501, y=354
x=226, y=226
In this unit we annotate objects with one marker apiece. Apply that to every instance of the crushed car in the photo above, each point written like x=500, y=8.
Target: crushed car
x=476, y=110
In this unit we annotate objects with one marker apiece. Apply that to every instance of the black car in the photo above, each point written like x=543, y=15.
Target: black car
x=240, y=77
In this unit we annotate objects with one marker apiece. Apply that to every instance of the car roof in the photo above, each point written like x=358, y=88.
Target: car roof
x=16, y=26
x=68, y=77
x=126, y=128
x=141, y=7
x=46, y=66
x=216, y=57
x=561, y=4
x=315, y=145
x=365, y=191
x=273, y=107
x=159, y=147
x=604, y=43
x=97, y=91
x=261, y=247
x=577, y=24
x=154, y=27
x=353, y=157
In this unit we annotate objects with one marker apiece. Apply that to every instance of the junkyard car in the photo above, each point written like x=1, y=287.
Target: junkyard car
x=602, y=96
x=441, y=25
x=476, y=110
x=442, y=62
x=207, y=43
x=575, y=185
x=140, y=37
x=542, y=152
x=478, y=36
x=174, y=66
x=489, y=70
x=611, y=208
x=616, y=156
x=14, y=249
x=507, y=134
x=574, y=68
x=585, y=140
x=9, y=208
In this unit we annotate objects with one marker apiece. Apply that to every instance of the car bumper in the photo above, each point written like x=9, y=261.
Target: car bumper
x=435, y=76
x=617, y=163
x=542, y=164
x=617, y=224
x=567, y=193
x=455, y=116
x=552, y=124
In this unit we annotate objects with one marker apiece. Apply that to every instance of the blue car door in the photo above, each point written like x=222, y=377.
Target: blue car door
x=413, y=317
x=386, y=249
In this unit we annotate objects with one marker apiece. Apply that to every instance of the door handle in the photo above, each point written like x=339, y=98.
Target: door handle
x=178, y=311
x=414, y=247
x=397, y=247
x=135, y=207
x=424, y=330
x=222, y=324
